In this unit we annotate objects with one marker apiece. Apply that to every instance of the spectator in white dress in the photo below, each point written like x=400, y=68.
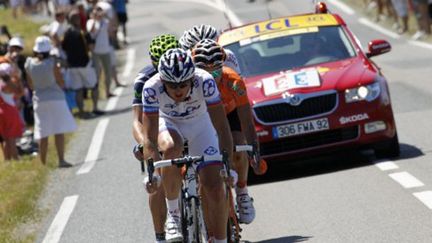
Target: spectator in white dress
x=52, y=115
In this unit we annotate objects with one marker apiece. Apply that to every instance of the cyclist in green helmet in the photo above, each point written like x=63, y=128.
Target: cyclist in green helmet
x=158, y=46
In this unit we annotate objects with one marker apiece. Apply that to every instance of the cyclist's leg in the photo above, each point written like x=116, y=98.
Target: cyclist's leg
x=159, y=212
x=241, y=164
x=203, y=140
x=170, y=143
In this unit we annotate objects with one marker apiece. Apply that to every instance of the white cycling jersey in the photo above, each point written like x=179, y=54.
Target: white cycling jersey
x=189, y=118
x=231, y=61
x=203, y=93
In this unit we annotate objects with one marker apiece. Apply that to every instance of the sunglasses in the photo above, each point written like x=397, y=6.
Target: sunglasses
x=177, y=85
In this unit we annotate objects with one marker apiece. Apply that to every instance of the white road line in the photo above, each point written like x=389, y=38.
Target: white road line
x=425, y=197
x=235, y=20
x=130, y=61
x=342, y=6
x=95, y=146
x=59, y=223
x=378, y=28
x=386, y=165
x=406, y=180
x=112, y=102
x=420, y=44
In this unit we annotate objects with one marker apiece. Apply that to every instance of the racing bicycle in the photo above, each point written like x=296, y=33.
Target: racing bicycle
x=192, y=220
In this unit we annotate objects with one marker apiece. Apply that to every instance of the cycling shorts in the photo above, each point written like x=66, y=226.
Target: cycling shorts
x=200, y=134
x=234, y=121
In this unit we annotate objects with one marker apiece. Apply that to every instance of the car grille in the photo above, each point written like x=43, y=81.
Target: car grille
x=309, y=141
x=283, y=111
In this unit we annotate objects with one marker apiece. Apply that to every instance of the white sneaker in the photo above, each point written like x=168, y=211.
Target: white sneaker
x=246, y=208
x=418, y=35
x=173, y=228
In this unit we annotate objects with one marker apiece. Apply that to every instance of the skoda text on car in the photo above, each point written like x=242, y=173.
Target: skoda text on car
x=312, y=88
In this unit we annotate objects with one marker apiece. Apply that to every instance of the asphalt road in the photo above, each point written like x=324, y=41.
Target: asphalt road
x=340, y=198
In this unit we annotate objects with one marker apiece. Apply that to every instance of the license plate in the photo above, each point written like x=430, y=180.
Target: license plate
x=300, y=128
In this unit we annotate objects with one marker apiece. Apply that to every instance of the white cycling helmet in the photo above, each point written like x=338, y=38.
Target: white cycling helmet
x=195, y=34
x=176, y=66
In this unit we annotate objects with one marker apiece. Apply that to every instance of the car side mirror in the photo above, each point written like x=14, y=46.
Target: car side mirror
x=378, y=47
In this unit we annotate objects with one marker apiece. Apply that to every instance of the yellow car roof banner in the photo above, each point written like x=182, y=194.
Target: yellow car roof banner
x=275, y=25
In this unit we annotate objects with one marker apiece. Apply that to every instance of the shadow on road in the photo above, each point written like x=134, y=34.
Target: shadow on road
x=287, y=170
x=287, y=239
x=323, y=164
x=409, y=151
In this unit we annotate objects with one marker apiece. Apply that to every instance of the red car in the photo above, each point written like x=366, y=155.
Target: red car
x=312, y=88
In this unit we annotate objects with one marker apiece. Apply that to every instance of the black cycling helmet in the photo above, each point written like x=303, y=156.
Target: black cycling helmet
x=208, y=53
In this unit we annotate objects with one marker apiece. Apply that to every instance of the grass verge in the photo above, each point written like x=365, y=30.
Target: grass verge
x=21, y=26
x=21, y=182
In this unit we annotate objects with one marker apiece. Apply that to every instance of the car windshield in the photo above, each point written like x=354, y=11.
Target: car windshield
x=282, y=51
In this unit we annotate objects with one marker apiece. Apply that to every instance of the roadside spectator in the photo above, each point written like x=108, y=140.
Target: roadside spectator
x=76, y=45
x=17, y=59
x=83, y=14
x=11, y=125
x=52, y=115
x=120, y=8
x=15, y=4
x=401, y=8
x=57, y=31
x=98, y=27
x=421, y=9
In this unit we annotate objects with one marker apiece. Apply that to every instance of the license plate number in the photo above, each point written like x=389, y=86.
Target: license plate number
x=300, y=128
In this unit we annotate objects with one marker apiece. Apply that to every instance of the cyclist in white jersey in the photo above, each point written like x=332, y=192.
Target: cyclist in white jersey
x=183, y=102
x=204, y=31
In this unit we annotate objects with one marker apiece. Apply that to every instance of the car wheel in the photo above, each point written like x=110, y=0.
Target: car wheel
x=391, y=149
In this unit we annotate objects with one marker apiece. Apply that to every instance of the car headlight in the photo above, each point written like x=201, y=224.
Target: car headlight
x=367, y=92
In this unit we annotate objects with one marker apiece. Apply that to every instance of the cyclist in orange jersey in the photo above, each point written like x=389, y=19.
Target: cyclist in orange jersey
x=209, y=55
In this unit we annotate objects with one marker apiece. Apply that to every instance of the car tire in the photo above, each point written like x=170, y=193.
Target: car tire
x=390, y=149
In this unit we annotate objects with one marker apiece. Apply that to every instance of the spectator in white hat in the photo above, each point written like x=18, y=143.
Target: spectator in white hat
x=51, y=113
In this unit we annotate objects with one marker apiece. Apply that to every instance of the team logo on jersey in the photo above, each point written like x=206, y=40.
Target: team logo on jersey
x=210, y=150
x=150, y=96
x=209, y=87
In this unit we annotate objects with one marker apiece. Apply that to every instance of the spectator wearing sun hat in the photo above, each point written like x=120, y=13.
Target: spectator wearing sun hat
x=51, y=113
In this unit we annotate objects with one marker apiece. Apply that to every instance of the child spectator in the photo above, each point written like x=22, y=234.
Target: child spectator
x=52, y=115
x=11, y=125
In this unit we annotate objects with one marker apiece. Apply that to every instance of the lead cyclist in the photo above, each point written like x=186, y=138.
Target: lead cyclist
x=158, y=46
x=183, y=102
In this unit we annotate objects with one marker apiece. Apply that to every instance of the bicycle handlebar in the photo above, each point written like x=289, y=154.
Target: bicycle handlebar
x=187, y=160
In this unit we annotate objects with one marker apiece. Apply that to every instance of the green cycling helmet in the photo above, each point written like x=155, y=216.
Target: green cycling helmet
x=160, y=44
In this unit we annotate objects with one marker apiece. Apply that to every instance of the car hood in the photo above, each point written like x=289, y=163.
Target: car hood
x=340, y=75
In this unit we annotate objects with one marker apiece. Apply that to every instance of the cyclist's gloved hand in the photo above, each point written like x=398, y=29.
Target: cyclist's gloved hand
x=138, y=152
x=153, y=186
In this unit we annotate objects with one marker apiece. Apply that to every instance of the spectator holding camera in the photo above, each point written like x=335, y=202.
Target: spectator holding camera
x=51, y=113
